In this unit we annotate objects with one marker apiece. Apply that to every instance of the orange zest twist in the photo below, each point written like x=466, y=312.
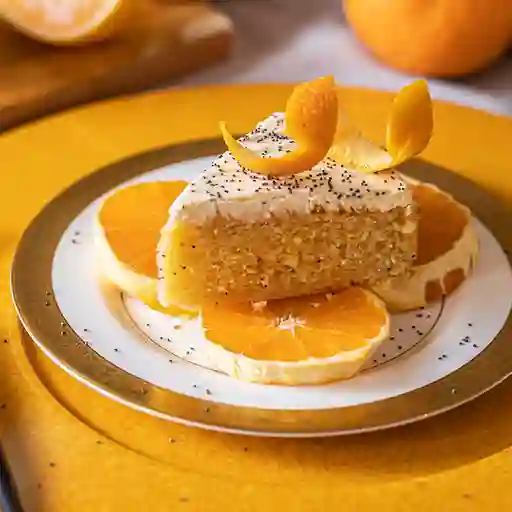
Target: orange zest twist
x=411, y=122
x=408, y=132
x=311, y=119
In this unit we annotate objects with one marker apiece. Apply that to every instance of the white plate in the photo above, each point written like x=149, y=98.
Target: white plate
x=425, y=345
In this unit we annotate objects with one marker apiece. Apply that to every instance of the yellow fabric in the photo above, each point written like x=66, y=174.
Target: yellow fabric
x=95, y=455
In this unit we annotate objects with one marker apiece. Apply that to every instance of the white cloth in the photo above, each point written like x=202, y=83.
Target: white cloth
x=295, y=40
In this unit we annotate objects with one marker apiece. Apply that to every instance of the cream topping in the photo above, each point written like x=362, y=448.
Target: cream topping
x=228, y=189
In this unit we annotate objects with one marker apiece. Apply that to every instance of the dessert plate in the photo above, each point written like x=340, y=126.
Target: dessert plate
x=437, y=358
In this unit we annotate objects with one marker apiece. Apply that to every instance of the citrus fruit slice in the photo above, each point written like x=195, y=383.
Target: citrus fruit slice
x=305, y=340
x=447, y=250
x=408, y=132
x=311, y=119
x=66, y=22
x=128, y=228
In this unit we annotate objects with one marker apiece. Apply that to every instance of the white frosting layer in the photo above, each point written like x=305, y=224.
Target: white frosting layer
x=227, y=189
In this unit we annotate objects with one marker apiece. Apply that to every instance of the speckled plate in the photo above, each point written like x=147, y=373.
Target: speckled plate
x=437, y=358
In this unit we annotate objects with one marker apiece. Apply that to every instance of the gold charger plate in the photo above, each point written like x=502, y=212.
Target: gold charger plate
x=459, y=461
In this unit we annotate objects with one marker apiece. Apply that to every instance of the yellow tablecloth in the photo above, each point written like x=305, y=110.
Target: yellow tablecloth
x=73, y=450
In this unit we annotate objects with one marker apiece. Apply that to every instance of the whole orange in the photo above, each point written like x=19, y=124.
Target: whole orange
x=433, y=37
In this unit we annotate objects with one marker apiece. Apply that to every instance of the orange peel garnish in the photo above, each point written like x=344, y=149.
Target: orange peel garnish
x=408, y=132
x=411, y=122
x=311, y=119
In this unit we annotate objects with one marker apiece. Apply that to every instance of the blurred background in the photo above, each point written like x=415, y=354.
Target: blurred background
x=61, y=53
x=294, y=40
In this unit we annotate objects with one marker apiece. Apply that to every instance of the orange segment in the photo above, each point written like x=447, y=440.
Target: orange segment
x=129, y=223
x=298, y=329
x=408, y=132
x=66, y=22
x=311, y=117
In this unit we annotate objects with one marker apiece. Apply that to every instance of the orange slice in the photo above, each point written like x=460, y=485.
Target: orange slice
x=408, y=132
x=311, y=119
x=303, y=340
x=447, y=250
x=127, y=232
x=66, y=22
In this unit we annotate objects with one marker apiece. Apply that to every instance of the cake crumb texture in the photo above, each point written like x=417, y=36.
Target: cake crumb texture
x=286, y=257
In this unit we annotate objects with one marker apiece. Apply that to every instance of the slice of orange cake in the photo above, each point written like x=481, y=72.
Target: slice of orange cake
x=235, y=232
x=253, y=236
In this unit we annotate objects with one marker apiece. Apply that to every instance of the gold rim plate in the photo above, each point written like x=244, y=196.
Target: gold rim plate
x=32, y=292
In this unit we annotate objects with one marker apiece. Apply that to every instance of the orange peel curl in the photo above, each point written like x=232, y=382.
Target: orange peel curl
x=408, y=132
x=311, y=120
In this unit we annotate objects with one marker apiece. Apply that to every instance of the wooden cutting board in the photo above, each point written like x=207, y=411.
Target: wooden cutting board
x=161, y=42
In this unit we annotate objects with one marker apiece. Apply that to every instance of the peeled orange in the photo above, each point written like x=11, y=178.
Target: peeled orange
x=66, y=21
x=128, y=227
x=305, y=340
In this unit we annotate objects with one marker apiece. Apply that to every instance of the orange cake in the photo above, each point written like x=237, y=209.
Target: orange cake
x=254, y=237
